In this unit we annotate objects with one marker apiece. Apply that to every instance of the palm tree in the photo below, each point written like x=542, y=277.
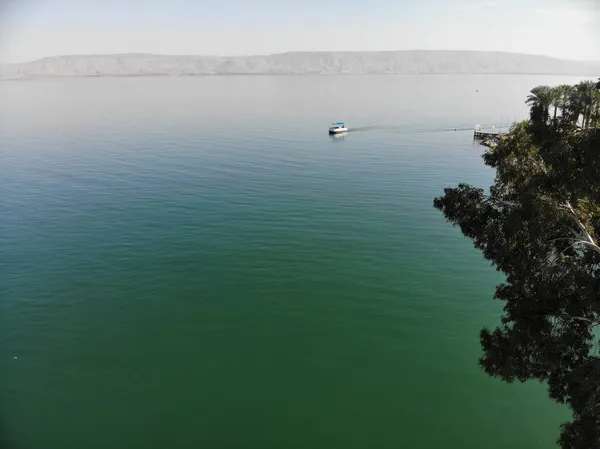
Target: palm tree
x=595, y=116
x=555, y=101
x=574, y=107
x=586, y=91
x=595, y=120
x=562, y=100
x=539, y=102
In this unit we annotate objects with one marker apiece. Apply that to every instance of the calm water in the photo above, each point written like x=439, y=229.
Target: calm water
x=195, y=263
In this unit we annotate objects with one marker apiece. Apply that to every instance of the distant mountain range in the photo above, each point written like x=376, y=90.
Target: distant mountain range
x=300, y=63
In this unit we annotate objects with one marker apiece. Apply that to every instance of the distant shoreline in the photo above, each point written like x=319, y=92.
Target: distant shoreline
x=278, y=75
x=410, y=62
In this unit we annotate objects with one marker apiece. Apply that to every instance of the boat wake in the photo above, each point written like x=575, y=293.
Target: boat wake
x=365, y=128
x=404, y=130
x=378, y=128
x=391, y=128
x=418, y=130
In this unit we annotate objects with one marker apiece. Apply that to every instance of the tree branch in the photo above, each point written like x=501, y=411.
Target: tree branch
x=586, y=243
x=565, y=317
x=580, y=318
x=581, y=226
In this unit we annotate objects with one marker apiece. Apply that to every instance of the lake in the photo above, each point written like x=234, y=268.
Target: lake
x=194, y=262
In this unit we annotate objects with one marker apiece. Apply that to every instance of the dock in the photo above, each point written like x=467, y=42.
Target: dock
x=485, y=135
x=487, y=138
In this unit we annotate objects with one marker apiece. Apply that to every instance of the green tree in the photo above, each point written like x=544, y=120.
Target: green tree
x=587, y=94
x=575, y=103
x=540, y=100
x=595, y=115
x=561, y=99
x=538, y=225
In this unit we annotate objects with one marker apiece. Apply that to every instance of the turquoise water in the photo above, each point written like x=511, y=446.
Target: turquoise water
x=194, y=262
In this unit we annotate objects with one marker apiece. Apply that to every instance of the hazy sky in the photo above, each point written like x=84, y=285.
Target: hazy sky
x=31, y=29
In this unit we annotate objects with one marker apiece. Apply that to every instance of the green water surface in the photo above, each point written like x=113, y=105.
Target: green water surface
x=195, y=263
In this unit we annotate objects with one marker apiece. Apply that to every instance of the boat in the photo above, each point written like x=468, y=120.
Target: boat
x=338, y=127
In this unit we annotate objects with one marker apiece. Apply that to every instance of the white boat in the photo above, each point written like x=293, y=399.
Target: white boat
x=338, y=127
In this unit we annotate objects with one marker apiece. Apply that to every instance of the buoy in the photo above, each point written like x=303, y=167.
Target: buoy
x=15, y=357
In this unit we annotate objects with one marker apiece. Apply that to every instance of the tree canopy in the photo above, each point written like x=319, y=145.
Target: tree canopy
x=539, y=224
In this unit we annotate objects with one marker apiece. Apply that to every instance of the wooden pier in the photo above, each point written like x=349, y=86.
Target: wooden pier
x=484, y=135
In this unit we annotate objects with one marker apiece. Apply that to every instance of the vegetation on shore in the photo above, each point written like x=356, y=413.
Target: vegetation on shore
x=539, y=224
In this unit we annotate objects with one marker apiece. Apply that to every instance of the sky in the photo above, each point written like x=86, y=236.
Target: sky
x=33, y=29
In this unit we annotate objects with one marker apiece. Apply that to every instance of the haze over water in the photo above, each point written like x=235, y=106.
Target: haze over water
x=194, y=262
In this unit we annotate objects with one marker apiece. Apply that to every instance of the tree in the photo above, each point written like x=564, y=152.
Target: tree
x=539, y=100
x=539, y=224
x=561, y=99
x=595, y=115
x=581, y=101
x=587, y=93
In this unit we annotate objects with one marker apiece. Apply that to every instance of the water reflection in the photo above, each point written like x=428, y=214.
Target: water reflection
x=338, y=137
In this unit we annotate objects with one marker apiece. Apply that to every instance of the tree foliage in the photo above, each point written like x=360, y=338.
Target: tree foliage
x=539, y=225
x=577, y=105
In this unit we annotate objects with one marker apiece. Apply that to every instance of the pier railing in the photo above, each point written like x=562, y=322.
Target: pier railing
x=487, y=133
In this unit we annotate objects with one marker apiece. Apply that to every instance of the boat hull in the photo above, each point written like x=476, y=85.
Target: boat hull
x=338, y=130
